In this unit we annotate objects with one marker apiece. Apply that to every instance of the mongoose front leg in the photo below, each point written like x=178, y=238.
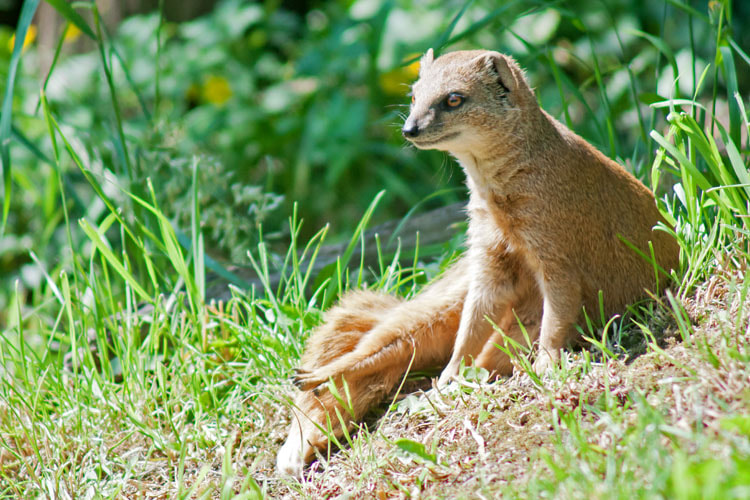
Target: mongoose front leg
x=473, y=332
x=520, y=323
x=562, y=306
x=493, y=287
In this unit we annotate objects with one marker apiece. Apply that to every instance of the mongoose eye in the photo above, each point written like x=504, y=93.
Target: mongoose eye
x=454, y=100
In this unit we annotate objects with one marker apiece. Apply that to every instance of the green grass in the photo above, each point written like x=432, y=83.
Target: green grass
x=120, y=378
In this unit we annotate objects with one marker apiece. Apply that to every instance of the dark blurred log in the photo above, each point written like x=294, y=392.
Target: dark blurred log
x=434, y=227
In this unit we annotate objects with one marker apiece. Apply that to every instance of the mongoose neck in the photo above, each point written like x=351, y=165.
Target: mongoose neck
x=501, y=151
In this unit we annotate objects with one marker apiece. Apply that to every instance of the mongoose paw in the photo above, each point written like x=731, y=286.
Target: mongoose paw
x=444, y=380
x=545, y=361
x=289, y=463
x=447, y=376
x=305, y=380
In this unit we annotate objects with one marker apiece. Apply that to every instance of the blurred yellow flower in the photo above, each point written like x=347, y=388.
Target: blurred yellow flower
x=216, y=90
x=413, y=68
x=72, y=32
x=30, y=37
x=397, y=81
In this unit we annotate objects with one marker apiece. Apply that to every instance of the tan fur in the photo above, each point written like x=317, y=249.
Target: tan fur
x=548, y=215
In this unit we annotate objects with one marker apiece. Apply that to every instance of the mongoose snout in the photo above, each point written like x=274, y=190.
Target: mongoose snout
x=410, y=130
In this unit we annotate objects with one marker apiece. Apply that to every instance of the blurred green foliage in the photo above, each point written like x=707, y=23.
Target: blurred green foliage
x=284, y=107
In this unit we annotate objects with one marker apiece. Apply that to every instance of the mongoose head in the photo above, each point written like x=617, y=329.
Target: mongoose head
x=463, y=100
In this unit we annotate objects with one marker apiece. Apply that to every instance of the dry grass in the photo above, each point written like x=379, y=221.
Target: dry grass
x=122, y=446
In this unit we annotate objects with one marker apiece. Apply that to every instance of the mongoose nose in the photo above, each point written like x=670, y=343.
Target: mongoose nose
x=410, y=130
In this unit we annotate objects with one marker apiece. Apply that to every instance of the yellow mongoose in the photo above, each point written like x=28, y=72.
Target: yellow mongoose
x=549, y=218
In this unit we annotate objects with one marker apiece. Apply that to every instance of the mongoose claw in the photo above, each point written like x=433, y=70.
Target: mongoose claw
x=299, y=376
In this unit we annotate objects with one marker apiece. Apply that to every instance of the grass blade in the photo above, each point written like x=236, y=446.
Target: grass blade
x=447, y=33
x=105, y=250
x=67, y=11
x=199, y=268
x=27, y=13
x=116, y=108
x=739, y=51
x=730, y=78
x=477, y=26
x=664, y=49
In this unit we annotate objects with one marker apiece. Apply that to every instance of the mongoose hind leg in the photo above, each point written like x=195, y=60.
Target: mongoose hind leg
x=407, y=336
x=315, y=417
x=420, y=331
x=315, y=413
x=344, y=326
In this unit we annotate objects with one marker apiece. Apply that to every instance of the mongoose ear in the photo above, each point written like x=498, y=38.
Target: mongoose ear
x=501, y=65
x=426, y=60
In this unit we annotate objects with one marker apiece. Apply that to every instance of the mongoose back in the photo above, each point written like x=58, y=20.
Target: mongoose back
x=553, y=223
